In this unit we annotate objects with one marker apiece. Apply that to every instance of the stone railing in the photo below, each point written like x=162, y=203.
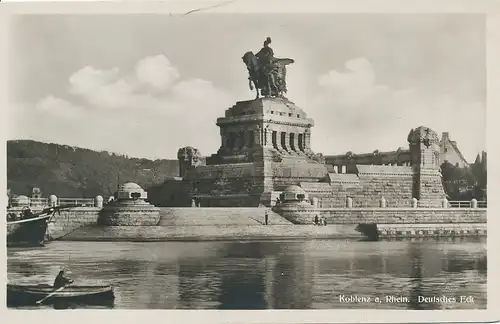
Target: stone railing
x=467, y=204
x=53, y=201
x=33, y=202
x=383, y=203
x=90, y=202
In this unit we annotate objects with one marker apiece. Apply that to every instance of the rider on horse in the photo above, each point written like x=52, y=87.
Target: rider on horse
x=266, y=72
x=266, y=54
x=266, y=60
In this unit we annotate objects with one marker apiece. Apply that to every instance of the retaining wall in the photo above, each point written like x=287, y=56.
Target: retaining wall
x=69, y=220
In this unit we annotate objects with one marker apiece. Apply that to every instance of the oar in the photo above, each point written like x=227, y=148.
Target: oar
x=51, y=294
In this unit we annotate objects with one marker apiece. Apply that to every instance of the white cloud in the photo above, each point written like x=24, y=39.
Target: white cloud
x=148, y=113
x=153, y=111
x=354, y=112
x=59, y=107
x=157, y=72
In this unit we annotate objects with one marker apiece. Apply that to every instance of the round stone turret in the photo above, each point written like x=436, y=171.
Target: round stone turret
x=295, y=206
x=294, y=193
x=131, y=191
x=129, y=209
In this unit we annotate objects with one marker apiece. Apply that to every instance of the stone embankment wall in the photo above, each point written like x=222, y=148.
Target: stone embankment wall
x=401, y=222
x=212, y=233
x=371, y=182
x=239, y=223
x=390, y=215
x=403, y=215
x=60, y=224
x=70, y=220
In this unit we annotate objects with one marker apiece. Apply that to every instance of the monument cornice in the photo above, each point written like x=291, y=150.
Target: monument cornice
x=264, y=118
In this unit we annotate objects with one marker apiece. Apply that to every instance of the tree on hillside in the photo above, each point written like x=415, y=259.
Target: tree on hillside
x=464, y=183
x=74, y=172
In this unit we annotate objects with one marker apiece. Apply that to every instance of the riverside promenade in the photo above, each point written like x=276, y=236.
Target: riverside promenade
x=213, y=224
x=456, y=219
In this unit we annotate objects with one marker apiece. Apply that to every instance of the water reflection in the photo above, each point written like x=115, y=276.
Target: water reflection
x=263, y=275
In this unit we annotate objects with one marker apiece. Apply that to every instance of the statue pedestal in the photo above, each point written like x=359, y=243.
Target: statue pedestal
x=265, y=147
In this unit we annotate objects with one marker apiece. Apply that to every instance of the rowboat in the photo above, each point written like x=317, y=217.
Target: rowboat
x=26, y=295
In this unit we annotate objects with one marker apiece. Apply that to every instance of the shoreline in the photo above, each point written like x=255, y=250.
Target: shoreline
x=256, y=233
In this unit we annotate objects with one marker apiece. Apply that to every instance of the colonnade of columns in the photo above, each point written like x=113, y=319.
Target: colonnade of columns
x=281, y=140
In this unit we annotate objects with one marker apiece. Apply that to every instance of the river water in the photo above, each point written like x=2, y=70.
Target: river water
x=314, y=274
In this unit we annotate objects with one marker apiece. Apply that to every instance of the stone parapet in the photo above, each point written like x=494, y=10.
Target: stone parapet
x=431, y=230
x=403, y=215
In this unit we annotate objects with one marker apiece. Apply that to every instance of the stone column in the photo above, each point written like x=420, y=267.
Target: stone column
x=307, y=140
x=473, y=203
x=266, y=137
x=294, y=142
x=257, y=135
x=274, y=141
x=229, y=141
x=98, y=202
x=300, y=142
x=223, y=139
x=349, y=202
x=445, y=203
x=287, y=141
x=315, y=202
x=236, y=141
x=414, y=203
x=383, y=202
x=246, y=139
x=52, y=201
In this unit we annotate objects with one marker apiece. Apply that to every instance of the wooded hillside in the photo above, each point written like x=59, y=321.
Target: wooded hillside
x=68, y=171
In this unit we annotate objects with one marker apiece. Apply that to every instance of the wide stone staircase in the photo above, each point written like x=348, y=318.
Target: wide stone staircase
x=212, y=224
x=218, y=216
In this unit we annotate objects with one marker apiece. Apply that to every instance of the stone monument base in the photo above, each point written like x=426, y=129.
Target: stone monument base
x=302, y=213
x=129, y=214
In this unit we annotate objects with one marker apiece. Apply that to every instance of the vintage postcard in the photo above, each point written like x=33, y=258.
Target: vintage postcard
x=250, y=161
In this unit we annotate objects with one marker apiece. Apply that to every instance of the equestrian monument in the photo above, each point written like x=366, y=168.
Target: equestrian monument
x=266, y=147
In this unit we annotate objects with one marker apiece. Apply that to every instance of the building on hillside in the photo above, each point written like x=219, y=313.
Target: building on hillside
x=450, y=152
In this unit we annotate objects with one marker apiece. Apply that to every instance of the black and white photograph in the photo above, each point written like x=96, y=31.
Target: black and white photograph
x=200, y=159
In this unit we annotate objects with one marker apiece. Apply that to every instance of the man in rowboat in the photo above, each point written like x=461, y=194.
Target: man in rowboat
x=61, y=280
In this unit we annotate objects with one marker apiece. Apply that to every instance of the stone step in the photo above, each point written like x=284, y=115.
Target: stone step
x=217, y=216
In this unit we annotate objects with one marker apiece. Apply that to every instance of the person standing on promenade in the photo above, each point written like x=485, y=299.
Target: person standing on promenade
x=266, y=219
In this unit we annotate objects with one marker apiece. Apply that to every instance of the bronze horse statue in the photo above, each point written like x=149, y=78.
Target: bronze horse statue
x=270, y=79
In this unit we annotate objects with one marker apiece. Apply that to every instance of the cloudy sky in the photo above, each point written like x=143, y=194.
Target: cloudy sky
x=145, y=85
